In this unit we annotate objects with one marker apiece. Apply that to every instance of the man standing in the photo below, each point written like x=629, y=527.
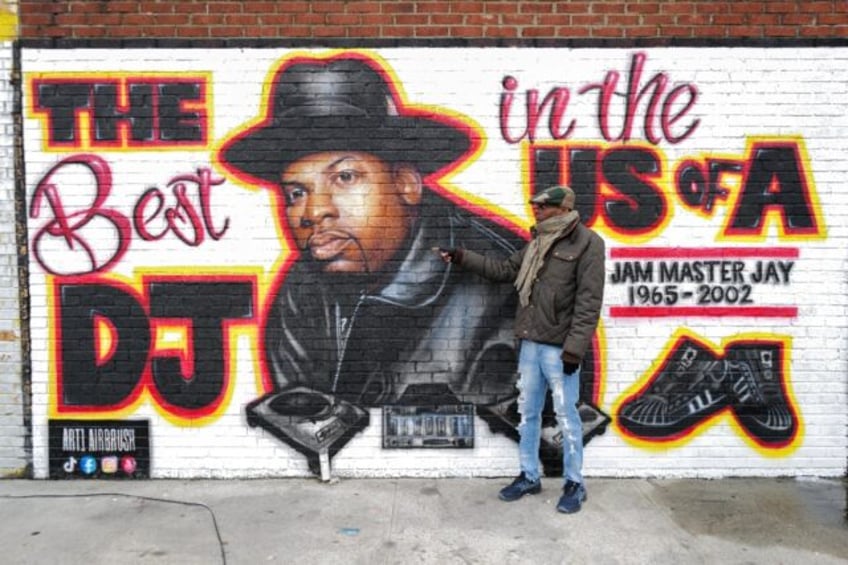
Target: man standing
x=559, y=276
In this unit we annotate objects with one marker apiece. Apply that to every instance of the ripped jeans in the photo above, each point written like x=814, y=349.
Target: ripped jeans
x=540, y=367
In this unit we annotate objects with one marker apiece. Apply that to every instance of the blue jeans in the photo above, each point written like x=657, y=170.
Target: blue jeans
x=540, y=367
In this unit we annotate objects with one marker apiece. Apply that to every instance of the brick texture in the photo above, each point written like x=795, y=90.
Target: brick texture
x=386, y=19
x=13, y=433
x=794, y=97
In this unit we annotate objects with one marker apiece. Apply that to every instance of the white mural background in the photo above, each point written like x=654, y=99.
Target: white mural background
x=744, y=95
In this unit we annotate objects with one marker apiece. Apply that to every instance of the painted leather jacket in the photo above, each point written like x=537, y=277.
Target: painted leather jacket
x=430, y=323
x=566, y=300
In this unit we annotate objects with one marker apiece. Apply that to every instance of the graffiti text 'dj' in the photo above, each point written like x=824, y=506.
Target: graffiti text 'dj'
x=107, y=351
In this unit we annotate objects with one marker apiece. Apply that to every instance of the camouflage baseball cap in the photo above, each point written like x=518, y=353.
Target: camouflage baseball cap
x=561, y=196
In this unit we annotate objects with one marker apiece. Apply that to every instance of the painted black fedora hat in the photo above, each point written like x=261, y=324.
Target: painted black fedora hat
x=341, y=104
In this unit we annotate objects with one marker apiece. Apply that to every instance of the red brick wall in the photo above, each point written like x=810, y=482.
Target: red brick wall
x=652, y=20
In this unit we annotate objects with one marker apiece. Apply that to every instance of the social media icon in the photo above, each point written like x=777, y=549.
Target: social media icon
x=128, y=464
x=88, y=465
x=109, y=464
x=70, y=465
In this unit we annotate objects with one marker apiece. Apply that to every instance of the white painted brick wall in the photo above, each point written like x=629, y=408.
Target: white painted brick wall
x=13, y=453
x=744, y=94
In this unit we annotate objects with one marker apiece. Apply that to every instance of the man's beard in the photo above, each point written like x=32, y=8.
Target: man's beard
x=358, y=282
x=351, y=280
x=343, y=284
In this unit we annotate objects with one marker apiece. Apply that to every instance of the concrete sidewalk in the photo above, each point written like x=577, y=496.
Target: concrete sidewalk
x=438, y=521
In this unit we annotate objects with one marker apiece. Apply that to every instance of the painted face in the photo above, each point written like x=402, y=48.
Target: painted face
x=351, y=211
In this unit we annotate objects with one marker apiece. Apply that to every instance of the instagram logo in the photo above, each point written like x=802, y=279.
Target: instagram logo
x=109, y=465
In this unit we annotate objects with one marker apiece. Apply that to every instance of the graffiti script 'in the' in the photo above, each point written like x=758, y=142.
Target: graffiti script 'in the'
x=662, y=119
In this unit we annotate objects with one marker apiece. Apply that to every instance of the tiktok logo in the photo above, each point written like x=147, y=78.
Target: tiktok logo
x=70, y=465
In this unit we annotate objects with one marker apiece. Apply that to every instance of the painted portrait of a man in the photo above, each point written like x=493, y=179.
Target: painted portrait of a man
x=367, y=315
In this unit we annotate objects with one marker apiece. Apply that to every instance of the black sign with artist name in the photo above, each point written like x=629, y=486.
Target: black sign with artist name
x=99, y=449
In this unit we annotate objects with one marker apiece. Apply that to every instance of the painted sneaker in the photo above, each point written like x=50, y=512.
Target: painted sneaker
x=519, y=487
x=758, y=396
x=690, y=387
x=572, y=499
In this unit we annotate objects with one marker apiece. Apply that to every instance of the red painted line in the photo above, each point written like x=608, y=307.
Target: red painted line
x=707, y=252
x=703, y=311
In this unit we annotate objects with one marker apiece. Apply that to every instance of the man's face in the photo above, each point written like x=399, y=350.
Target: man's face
x=351, y=211
x=542, y=212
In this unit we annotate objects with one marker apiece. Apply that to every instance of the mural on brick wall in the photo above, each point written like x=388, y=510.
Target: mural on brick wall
x=239, y=244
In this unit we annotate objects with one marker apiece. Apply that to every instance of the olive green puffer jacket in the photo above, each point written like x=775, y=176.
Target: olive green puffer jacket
x=566, y=300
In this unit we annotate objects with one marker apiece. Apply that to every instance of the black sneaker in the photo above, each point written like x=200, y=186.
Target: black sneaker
x=519, y=487
x=690, y=387
x=573, y=497
x=758, y=385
